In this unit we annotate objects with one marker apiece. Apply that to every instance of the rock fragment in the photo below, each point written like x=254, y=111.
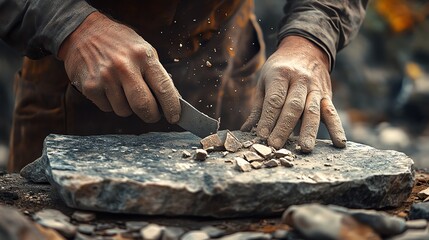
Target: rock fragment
x=13, y=224
x=256, y=165
x=247, y=236
x=135, y=225
x=252, y=156
x=247, y=144
x=419, y=211
x=195, y=235
x=186, y=154
x=231, y=142
x=200, y=155
x=213, y=232
x=262, y=150
x=83, y=216
x=172, y=233
x=50, y=214
x=151, y=232
x=271, y=163
x=86, y=229
x=242, y=164
x=64, y=228
x=417, y=224
x=280, y=234
x=423, y=194
x=282, y=153
x=286, y=163
x=212, y=142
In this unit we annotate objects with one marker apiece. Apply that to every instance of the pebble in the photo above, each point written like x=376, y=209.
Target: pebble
x=213, y=232
x=417, y=224
x=247, y=144
x=104, y=226
x=50, y=214
x=83, y=216
x=263, y=150
x=231, y=142
x=86, y=229
x=195, y=235
x=64, y=228
x=280, y=234
x=200, y=154
x=327, y=165
x=252, y=156
x=284, y=162
x=186, y=154
x=423, y=194
x=271, y=163
x=256, y=165
x=135, y=225
x=151, y=232
x=172, y=233
x=419, y=211
x=212, y=142
x=247, y=236
x=242, y=164
x=282, y=153
x=112, y=232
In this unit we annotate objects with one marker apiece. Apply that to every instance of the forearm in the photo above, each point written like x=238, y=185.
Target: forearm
x=38, y=27
x=329, y=24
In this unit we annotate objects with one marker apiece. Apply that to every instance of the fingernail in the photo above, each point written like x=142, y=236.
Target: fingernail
x=264, y=132
x=278, y=143
x=175, y=118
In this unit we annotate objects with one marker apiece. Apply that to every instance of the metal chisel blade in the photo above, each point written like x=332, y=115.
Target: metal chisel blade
x=195, y=121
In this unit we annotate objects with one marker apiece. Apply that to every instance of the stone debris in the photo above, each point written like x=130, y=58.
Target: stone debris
x=135, y=225
x=286, y=163
x=152, y=232
x=13, y=224
x=282, y=153
x=247, y=236
x=280, y=234
x=232, y=144
x=271, y=163
x=83, y=216
x=51, y=214
x=200, y=155
x=172, y=233
x=247, y=144
x=86, y=229
x=262, y=150
x=242, y=164
x=423, y=194
x=186, y=154
x=419, y=211
x=256, y=165
x=64, y=228
x=252, y=156
x=195, y=235
x=213, y=232
x=212, y=142
x=417, y=224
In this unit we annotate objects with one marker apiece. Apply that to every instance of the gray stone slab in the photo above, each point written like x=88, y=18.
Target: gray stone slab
x=146, y=174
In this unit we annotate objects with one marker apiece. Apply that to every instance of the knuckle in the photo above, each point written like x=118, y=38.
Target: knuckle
x=296, y=105
x=91, y=88
x=276, y=100
x=313, y=108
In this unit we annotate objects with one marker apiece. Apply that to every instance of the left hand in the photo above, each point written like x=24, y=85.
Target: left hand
x=294, y=84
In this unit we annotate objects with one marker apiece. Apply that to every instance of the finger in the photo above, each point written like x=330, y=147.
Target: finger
x=118, y=100
x=310, y=122
x=140, y=98
x=163, y=87
x=255, y=114
x=93, y=91
x=291, y=112
x=275, y=96
x=333, y=123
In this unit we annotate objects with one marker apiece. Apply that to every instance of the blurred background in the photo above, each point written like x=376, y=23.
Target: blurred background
x=380, y=82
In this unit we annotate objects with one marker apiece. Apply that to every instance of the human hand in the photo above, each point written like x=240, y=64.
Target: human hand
x=294, y=84
x=118, y=70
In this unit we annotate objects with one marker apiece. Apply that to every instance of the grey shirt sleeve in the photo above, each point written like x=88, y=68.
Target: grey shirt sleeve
x=38, y=27
x=331, y=24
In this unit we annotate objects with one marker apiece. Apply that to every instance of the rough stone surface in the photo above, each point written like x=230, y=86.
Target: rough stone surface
x=128, y=174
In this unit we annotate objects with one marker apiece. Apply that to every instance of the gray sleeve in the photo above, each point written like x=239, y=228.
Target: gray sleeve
x=329, y=24
x=38, y=27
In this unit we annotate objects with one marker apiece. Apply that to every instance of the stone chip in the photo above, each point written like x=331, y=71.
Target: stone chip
x=212, y=142
x=263, y=150
x=242, y=164
x=232, y=144
x=200, y=155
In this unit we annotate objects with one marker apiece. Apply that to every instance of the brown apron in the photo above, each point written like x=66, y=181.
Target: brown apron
x=222, y=33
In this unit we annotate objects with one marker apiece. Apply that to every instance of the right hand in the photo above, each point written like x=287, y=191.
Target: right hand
x=118, y=70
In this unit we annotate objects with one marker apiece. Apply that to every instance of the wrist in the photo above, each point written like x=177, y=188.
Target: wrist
x=303, y=45
x=77, y=34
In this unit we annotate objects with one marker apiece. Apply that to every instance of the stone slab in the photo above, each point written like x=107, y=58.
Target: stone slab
x=146, y=174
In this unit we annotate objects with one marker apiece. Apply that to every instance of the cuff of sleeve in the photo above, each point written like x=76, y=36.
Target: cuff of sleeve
x=63, y=21
x=315, y=26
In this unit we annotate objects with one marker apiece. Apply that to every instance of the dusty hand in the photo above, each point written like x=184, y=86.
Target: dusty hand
x=294, y=84
x=117, y=70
